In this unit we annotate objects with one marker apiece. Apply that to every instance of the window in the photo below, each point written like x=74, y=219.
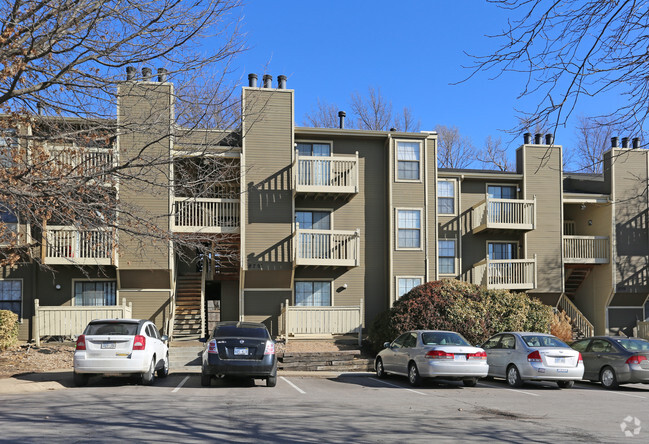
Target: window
x=314, y=149
x=8, y=146
x=501, y=191
x=314, y=245
x=314, y=172
x=411, y=341
x=313, y=220
x=313, y=293
x=408, y=158
x=508, y=342
x=446, y=252
x=502, y=250
x=94, y=293
x=446, y=197
x=406, y=284
x=408, y=228
x=492, y=343
x=11, y=295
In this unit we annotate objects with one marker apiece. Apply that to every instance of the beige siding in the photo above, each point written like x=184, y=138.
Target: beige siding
x=432, y=176
x=264, y=306
x=230, y=301
x=152, y=305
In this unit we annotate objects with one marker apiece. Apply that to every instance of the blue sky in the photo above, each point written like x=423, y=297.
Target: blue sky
x=412, y=50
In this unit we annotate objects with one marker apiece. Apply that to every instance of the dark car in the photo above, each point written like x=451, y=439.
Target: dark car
x=614, y=360
x=241, y=349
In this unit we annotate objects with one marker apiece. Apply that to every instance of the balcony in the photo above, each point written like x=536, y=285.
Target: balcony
x=508, y=274
x=327, y=248
x=503, y=214
x=65, y=245
x=586, y=250
x=337, y=175
x=205, y=215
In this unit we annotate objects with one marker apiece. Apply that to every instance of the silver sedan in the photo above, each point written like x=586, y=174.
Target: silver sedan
x=422, y=354
x=520, y=357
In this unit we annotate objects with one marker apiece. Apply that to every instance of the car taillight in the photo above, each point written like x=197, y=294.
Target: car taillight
x=270, y=348
x=81, y=342
x=211, y=347
x=580, y=359
x=139, y=342
x=439, y=354
x=477, y=355
x=636, y=359
x=535, y=356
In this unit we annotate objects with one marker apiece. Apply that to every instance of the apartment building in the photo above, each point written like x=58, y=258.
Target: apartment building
x=325, y=228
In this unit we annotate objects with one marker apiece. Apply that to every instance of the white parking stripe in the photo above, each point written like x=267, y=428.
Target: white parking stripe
x=511, y=390
x=292, y=385
x=398, y=386
x=180, y=385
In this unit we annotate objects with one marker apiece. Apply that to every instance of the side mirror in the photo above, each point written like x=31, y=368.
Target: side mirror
x=386, y=345
x=164, y=338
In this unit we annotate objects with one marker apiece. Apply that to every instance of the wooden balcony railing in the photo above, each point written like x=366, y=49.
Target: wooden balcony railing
x=325, y=174
x=508, y=214
x=205, y=215
x=327, y=248
x=511, y=274
x=65, y=245
x=586, y=249
x=297, y=321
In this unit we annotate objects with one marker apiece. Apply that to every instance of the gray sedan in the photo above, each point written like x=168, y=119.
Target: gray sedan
x=422, y=354
x=615, y=360
x=520, y=357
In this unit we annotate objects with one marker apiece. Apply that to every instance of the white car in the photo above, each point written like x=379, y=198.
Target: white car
x=117, y=347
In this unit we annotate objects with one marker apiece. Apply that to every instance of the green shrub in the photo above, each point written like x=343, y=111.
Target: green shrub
x=8, y=329
x=471, y=310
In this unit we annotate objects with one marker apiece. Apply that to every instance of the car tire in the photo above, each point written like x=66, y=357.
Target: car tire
x=470, y=382
x=148, y=377
x=206, y=380
x=514, y=377
x=271, y=381
x=80, y=379
x=608, y=378
x=565, y=384
x=380, y=370
x=413, y=375
x=164, y=371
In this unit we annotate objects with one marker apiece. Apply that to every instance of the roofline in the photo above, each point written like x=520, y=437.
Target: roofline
x=362, y=133
x=480, y=174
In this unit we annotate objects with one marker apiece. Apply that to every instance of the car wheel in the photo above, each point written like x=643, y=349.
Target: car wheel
x=80, y=379
x=206, y=380
x=471, y=382
x=514, y=377
x=164, y=371
x=380, y=371
x=149, y=376
x=413, y=375
x=565, y=384
x=271, y=381
x=608, y=378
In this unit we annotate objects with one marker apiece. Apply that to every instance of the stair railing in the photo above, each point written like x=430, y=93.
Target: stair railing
x=203, y=273
x=577, y=318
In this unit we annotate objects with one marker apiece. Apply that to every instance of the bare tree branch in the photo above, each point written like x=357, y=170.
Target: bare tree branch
x=494, y=155
x=453, y=150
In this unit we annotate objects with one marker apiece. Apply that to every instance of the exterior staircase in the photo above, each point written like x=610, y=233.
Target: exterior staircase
x=581, y=326
x=187, y=318
x=575, y=278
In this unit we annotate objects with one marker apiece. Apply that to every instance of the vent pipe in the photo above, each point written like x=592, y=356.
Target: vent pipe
x=341, y=115
x=268, y=81
x=527, y=138
x=281, y=82
x=625, y=142
x=636, y=142
x=538, y=138
x=130, y=72
x=146, y=74
x=162, y=75
x=549, y=139
x=252, y=80
x=613, y=142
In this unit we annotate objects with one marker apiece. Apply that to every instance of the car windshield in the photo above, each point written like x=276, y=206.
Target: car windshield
x=633, y=344
x=543, y=341
x=228, y=331
x=112, y=328
x=443, y=338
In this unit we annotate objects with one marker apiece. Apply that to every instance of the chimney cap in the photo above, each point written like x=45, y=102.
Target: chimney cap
x=341, y=114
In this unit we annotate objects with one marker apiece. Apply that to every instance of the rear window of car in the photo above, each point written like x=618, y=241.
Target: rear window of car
x=112, y=328
x=543, y=341
x=240, y=332
x=633, y=344
x=439, y=338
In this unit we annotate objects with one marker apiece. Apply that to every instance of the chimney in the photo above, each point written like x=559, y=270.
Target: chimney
x=625, y=142
x=538, y=138
x=252, y=80
x=281, y=82
x=613, y=142
x=636, y=142
x=527, y=139
x=549, y=139
x=146, y=74
x=341, y=115
x=130, y=72
x=392, y=130
x=268, y=81
x=162, y=75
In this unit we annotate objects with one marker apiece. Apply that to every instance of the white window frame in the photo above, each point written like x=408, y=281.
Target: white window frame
x=74, y=283
x=332, y=289
x=396, y=229
x=455, y=197
x=22, y=296
x=321, y=210
x=396, y=283
x=396, y=161
x=455, y=257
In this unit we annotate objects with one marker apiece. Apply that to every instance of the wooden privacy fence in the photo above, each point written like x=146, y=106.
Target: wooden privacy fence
x=309, y=321
x=70, y=321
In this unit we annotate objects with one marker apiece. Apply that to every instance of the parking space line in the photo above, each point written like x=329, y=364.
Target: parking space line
x=510, y=389
x=626, y=394
x=292, y=385
x=180, y=385
x=398, y=386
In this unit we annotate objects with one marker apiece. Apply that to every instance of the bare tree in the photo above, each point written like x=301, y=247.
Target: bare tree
x=494, y=155
x=406, y=121
x=593, y=136
x=373, y=112
x=453, y=149
x=325, y=115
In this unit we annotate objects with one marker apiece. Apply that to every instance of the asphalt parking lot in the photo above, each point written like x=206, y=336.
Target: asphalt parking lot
x=335, y=408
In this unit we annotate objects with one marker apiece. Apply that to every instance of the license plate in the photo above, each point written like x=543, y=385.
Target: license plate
x=562, y=370
x=107, y=345
x=559, y=360
x=460, y=357
x=241, y=351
